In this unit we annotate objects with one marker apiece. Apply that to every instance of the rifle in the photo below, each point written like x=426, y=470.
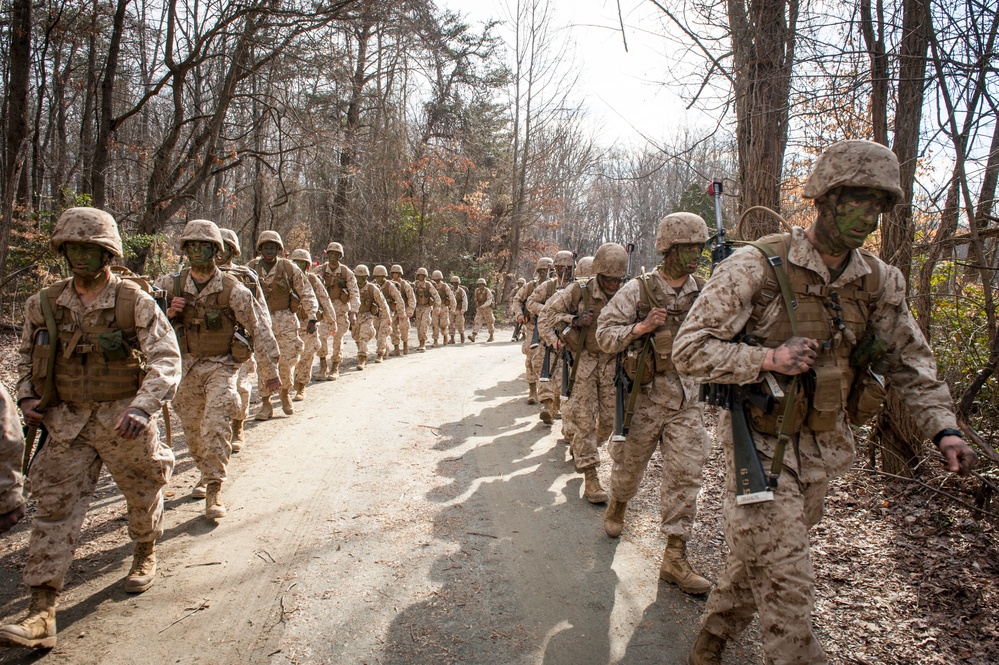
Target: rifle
x=516, y=331
x=546, y=364
x=752, y=483
x=622, y=385
x=720, y=248
x=51, y=336
x=536, y=337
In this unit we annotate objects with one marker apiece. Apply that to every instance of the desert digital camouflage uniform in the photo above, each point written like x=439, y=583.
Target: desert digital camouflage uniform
x=278, y=284
x=518, y=304
x=341, y=284
x=484, y=301
x=11, y=450
x=373, y=311
x=400, y=324
x=461, y=306
x=667, y=415
x=427, y=300
x=769, y=566
x=442, y=315
x=583, y=273
x=549, y=392
x=396, y=311
x=312, y=343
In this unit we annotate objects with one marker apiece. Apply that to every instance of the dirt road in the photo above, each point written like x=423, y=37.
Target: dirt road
x=416, y=512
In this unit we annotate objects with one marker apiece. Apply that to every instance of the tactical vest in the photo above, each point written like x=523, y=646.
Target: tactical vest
x=393, y=299
x=94, y=363
x=583, y=301
x=652, y=296
x=402, y=292
x=206, y=325
x=280, y=293
x=481, y=296
x=336, y=283
x=369, y=302
x=827, y=386
x=422, y=290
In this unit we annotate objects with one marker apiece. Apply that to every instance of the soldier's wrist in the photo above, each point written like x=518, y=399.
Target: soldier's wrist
x=947, y=431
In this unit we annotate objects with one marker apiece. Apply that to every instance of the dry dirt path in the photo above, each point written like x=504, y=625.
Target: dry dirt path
x=416, y=512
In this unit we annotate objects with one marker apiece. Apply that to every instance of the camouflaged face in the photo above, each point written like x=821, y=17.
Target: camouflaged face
x=270, y=236
x=680, y=228
x=230, y=238
x=87, y=225
x=202, y=229
x=856, y=164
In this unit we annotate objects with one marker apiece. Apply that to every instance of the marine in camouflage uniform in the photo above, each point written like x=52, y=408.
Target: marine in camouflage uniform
x=573, y=311
x=341, y=285
x=104, y=415
x=460, y=307
x=288, y=292
x=584, y=270
x=549, y=392
x=514, y=312
x=442, y=314
x=427, y=301
x=769, y=565
x=11, y=451
x=397, y=311
x=667, y=415
x=519, y=304
x=326, y=314
x=400, y=324
x=484, y=302
x=208, y=308
x=374, y=311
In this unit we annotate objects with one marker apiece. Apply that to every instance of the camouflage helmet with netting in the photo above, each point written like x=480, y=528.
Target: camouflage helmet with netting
x=301, y=255
x=204, y=230
x=361, y=271
x=334, y=247
x=270, y=236
x=480, y=281
x=88, y=225
x=437, y=274
x=611, y=260
x=421, y=272
x=584, y=267
x=680, y=228
x=230, y=238
x=455, y=279
x=380, y=271
x=396, y=268
x=564, y=258
x=855, y=163
x=544, y=263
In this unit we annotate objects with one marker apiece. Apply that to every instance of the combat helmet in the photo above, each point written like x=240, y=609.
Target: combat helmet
x=380, y=271
x=679, y=228
x=202, y=229
x=361, y=271
x=455, y=279
x=437, y=274
x=86, y=225
x=270, y=236
x=301, y=255
x=855, y=163
x=564, y=258
x=521, y=281
x=544, y=263
x=611, y=260
x=421, y=271
x=396, y=268
x=334, y=247
x=480, y=281
x=230, y=238
x=584, y=267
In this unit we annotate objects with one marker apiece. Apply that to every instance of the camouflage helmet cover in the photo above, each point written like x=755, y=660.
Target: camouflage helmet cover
x=584, y=267
x=564, y=258
x=855, y=163
x=361, y=271
x=455, y=279
x=380, y=271
x=421, y=271
x=396, y=268
x=87, y=225
x=480, y=281
x=301, y=255
x=270, y=236
x=202, y=229
x=437, y=274
x=521, y=281
x=230, y=238
x=334, y=247
x=680, y=228
x=611, y=260
x=544, y=263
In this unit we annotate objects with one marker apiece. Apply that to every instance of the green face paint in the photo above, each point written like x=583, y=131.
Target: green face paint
x=361, y=280
x=303, y=265
x=200, y=253
x=269, y=251
x=224, y=257
x=85, y=258
x=847, y=217
x=682, y=260
x=380, y=279
x=334, y=257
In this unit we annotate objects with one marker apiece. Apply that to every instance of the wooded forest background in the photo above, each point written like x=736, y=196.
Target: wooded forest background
x=413, y=136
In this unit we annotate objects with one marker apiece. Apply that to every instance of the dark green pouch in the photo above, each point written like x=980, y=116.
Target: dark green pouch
x=213, y=320
x=113, y=346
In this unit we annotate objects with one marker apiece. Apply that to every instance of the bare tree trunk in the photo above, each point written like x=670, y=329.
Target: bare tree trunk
x=16, y=112
x=105, y=125
x=89, y=100
x=874, y=39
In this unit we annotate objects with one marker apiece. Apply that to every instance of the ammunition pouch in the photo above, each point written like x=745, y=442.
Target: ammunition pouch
x=112, y=345
x=775, y=391
x=213, y=320
x=824, y=386
x=662, y=349
x=867, y=397
x=629, y=362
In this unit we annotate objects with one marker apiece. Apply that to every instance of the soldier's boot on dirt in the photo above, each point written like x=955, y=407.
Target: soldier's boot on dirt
x=324, y=368
x=546, y=411
x=707, y=649
x=37, y=630
x=490, y=337
x=143, y=571
x=614, y=517
x=378, y=357
x=462, y=338
x=405, y=347
x=361, y=360
x=435, y=343
x=334, y=372
x=422, y=347
x=299, y=392
x=592, y=490
x=472, y=337
x=677, y=570
x=266, y=411
x=532, y=398
x=214, y=508
x=395, y=350
x=452, y=340
x=200, y=489
x=286, y=403
x=237, y=436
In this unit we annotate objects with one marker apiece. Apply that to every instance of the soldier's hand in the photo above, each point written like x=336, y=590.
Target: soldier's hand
x=273, y=385
x=176, y=307
x=958, y=455
x=795, y=356
x=656, y=318
x=351, y=317
x=9, y=519
x=556, y=345
x=28, y=406
x=310, y=327
x=132, y=423
x=582, y=320
x=522, y=319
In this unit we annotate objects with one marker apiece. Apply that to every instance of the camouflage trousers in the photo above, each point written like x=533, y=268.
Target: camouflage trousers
x=548, y=390
x=769, y=566
x=422, y=317
x=207, y=401
x=310, y=346
x=63, y=478
x=245, y=387
x=363, y=332
x=342, y=324
x=440, y=323
x=290, y=344
x=400, y=330
x=684, y=445
x=457, y=323
x=532, y=374
x=383, y=330
x=589, y=412
x=483, y=315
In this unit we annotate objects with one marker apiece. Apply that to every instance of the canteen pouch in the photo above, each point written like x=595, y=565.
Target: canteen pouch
x=824, y=384
x=242, y=347
x=867, y=397
x=663, y=346
x=629, y=363
x=112, y=345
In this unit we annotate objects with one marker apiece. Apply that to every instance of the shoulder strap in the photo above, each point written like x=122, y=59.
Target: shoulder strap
x=126, y=295
x=777, y=263
x=228, y=283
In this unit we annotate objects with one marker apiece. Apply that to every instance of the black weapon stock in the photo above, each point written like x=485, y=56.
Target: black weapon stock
x=566, y=364
x=546, y=365
x=536, y=337
x=516, y=331
x=622, y=386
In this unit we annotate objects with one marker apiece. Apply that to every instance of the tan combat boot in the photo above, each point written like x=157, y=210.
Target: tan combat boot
x=452, y=340
x=490, y=337
x=378, y=357
x=334, y=372
x=143, y=572
x=405, y=347
x=299, y=392
x=37, y=630
x=532, y=398
x=237, y=436
x=614, y=517
x=214, y=508
x=360, y=363
x=199, y=490
x=592, y=491
x=676, y=569
x=435, y=344
x=472, y=337
x=323, y=368
x=462, y=338
x=422, y=347
x=266, y=411
x=395, y=351
x=546, y=412
x=707, y=649
x=286, y=403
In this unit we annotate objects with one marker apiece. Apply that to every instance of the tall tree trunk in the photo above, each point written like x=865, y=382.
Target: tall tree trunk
x=16, y=112
x=86, y=185
x=105, y=124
